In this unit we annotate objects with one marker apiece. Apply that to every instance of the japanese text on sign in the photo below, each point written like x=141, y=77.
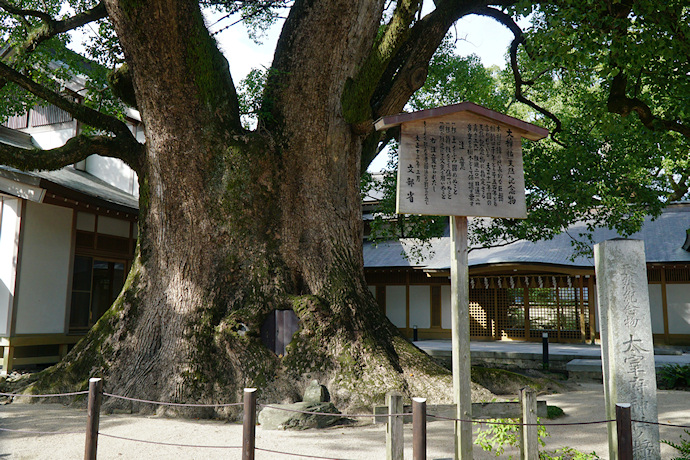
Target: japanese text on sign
x=461, y=166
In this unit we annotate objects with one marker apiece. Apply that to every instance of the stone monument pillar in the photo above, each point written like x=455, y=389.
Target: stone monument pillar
x=627, y=349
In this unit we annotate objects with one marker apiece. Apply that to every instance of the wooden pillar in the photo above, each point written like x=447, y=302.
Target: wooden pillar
x=526, y=300
x=419, y=428
x=579, y=291
x=7, y=357
x=93, y=414
x=664, y=304
x=624, y=432
x=460, y=322
x=394, y=427
x=559, y=321
x=592, y=314
x=494, y=313
x=528, y=441
x=408, y=330
x=249, y=424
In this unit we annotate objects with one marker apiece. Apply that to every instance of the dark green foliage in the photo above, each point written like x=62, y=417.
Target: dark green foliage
x=683, y=447
x=599, y=161
x=554, y=412
x=452, y=79
x=674, y=377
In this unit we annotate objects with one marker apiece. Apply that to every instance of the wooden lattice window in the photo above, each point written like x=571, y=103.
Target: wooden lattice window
x=677, y=275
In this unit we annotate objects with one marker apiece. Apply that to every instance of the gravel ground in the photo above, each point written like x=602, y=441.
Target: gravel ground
x=347, y=442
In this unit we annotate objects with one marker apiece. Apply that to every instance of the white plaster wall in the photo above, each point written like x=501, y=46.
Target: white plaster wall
x=86, y=221
x=396, y=301
x=52, y=136
x=678, y=302
x=112, y=226
x=9, y=238
x=44, y=269
x=114, y=172
x=372, y=289
x=420, y=306
x=656, y=308
x=111, y=170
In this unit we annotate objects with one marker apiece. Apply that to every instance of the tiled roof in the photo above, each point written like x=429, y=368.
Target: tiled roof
x=75, y=180
x=663, y=238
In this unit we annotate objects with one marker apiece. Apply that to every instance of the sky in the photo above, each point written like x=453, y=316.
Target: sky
x=479, y=35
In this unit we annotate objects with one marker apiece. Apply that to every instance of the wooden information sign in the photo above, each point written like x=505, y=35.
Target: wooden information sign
x=461, y=160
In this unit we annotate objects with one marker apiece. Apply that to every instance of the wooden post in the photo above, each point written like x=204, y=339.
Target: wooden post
x=528, y=439
x=419, y=428
x=559, y=314
x=526, y=296
x=249, y=424
x=394, y=428
x=93, y=413
x=579, y=295
x=7, y=358
x=591, y=293
x=460, y=325
x=664, y=304
x=624, y=429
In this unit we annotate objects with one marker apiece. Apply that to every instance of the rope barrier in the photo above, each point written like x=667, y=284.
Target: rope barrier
x=169, y=403
x=334, y=415
x=56, y=395
x=297, y=455
x=78, y=393
x=169, y=444
x=9, y=430
x=450, y=419
x=661, y=424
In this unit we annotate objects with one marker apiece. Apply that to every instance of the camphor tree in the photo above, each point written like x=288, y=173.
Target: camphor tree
x=235, y=223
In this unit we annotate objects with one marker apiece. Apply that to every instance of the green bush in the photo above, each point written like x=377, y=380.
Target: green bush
x=683, y=447
x=554, y=412
x=567, y=453
x=494, y=437
x=674, y=376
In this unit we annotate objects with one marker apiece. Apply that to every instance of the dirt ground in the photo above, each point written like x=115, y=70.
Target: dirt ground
x=584, y=403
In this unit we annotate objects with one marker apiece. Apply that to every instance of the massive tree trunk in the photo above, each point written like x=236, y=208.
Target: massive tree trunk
x=235, y=224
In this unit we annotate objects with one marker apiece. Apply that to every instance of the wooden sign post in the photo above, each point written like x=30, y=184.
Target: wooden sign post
x=461, y=160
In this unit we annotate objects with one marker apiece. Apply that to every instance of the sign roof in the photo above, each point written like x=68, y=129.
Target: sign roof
x=526, y=130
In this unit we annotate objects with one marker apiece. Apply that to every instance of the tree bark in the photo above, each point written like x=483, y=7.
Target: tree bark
x=236, y=224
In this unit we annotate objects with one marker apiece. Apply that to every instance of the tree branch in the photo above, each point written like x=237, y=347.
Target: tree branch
x=48, y=29
x=52, y=27
x=80, y=112
x=358, y=91
x=7, y=6
x=407, y=72
x=618, y=102
x=519, y=39
x=76, y=149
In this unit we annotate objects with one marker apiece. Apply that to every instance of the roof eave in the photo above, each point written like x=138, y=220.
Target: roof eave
x=527, y=130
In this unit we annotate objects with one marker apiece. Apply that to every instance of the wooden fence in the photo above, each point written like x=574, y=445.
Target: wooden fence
x=395, y=414
x=527, y=410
